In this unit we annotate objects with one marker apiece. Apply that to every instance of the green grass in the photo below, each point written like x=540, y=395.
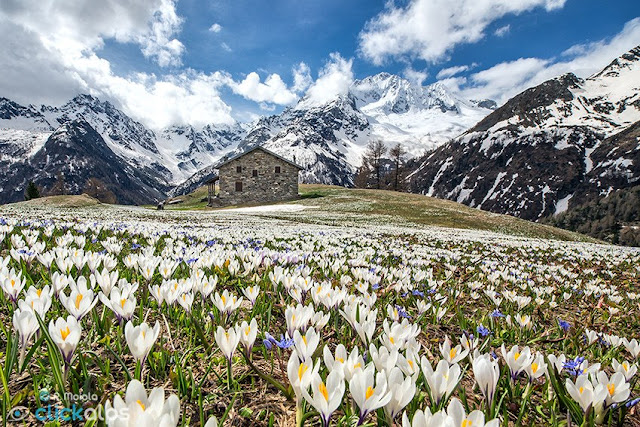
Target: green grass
x=333, y=205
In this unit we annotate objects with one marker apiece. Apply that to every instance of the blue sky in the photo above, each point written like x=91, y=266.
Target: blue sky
x=163, y=63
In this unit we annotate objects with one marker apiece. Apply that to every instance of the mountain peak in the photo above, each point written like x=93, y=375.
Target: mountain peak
x=626, y=61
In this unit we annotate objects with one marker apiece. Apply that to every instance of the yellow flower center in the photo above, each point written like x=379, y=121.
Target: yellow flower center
x=369, y=393
x=516, y=356
x=611, y=388
x=466, y=423
x=357, y=365
x=13, y=282
x=581, y=390
x=304, y=338
x=391, y=340
x=64, y=333
x=141, y=404
x=339, y=359
x=122, y=301
x=224, y=299
x=301, y=370
x=410, y=362
x=625, y=366
x=247, y=330
x=452, y=353
x=39, y=292
x=78, y=299
x=323, y=389
x=534, y=367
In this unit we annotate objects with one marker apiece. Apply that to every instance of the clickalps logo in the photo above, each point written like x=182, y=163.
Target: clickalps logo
x=49, y=411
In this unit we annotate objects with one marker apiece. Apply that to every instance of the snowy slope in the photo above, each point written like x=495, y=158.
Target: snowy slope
x=544, y=150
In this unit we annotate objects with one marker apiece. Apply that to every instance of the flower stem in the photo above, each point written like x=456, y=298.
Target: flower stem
x=229, y=374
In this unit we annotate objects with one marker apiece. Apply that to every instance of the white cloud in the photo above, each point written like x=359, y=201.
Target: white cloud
x=226, y=47
x=333, y=80
x=507, y=79
x=451, y=71
x=72, y=27
x=502, y=31
x=273, y=90
x=301, y=77
x=415, y=76
x=429, y=29
x=215, y=28
x=49, y=55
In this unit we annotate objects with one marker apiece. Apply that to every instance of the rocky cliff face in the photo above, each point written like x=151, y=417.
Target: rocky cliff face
x=547, y=149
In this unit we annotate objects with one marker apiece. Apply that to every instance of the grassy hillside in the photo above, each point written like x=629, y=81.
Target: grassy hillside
x=72, y=201
x=333, y=205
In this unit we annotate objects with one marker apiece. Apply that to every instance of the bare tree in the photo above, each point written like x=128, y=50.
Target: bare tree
x=397, y=154
x=373, y=158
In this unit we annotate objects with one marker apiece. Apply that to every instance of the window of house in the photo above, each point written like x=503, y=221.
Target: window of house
x=277, y=169
x=238, y=185
x=255, y=172
x=239, y=169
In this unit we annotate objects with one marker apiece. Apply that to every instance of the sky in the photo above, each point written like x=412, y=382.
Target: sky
x=176, y=62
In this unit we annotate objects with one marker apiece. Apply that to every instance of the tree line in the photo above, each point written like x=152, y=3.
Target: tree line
x=380, y=171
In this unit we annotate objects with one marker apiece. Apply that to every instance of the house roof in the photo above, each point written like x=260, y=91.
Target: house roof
x=258, y=147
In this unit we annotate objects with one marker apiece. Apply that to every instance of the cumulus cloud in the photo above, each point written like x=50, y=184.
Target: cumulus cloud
x=506, y=79
x=72, y=27
x=273, y=90
x=429, y=29
x=50, y=47
x=301, y=77
x=215, y=28
x=333, y=80
x=415, y=76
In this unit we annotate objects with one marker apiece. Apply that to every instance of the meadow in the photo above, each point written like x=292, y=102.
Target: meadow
x=126, y=316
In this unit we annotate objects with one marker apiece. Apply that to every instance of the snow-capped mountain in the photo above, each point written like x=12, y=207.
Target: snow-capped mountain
x=327, y=139
x=545, y=149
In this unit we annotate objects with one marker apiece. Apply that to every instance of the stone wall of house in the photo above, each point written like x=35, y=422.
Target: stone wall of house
x=267, y=186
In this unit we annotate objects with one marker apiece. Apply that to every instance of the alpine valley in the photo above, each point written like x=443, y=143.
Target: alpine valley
x=552, y=148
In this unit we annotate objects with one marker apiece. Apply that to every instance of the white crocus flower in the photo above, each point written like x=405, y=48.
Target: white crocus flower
x=138, y=409
x=81, y=300
x=65, y=333
x=26, y=323
x=625, y=368
x=402, y=392
x=536, y=368
x=251, y=292
x=367, y=396
x=306, y=344
x=337, y=362
x=227, y=340
x=140, y=339
x=123, y=304
x=516, y=359
x=325, y=398
x=248, y=334
x=226, y=303
x=617, y=387
x=457, y=414
x=583, y=392
x=443, y=380
x=487, y=373
x=300, y=374
x=452, y=354
x=13, y=284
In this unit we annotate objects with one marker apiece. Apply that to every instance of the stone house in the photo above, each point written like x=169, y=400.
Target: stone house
x=255, y=176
